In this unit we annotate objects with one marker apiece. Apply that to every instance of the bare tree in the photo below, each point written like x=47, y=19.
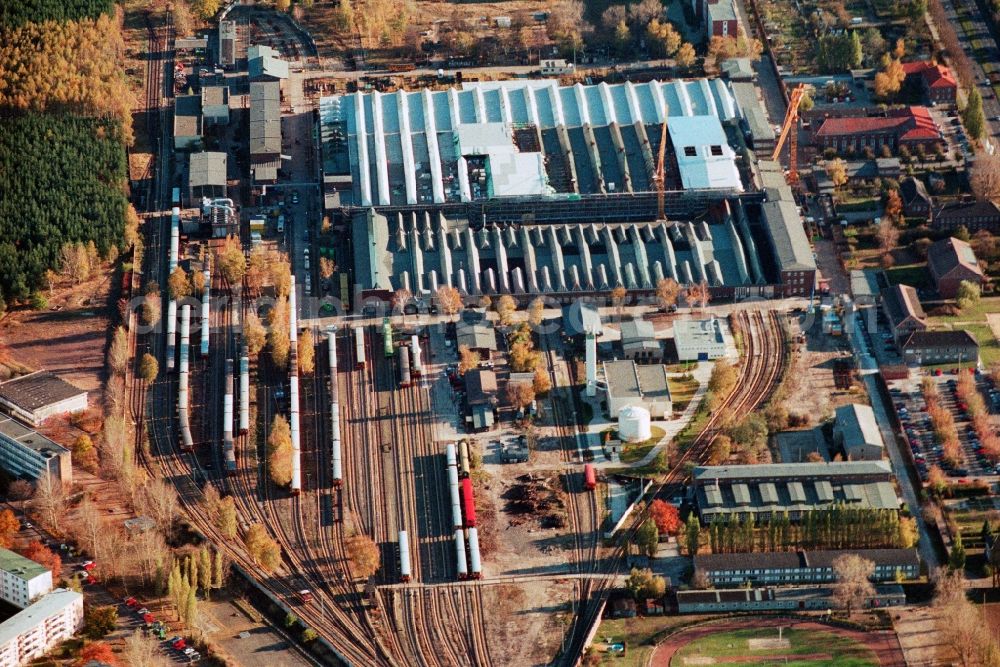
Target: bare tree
x=50, y=502
x=88, y=528
x=20, y=490
x=400, y=299
x=667, y=291
x=984, y=176
x=960, y=623
x=158, y=500
x=449, y=300
x=118, y=352
x=618, y=296
x=854, y=584
x=520, y=394
x=143, y=651
x=536, y=312
x=467, y=359
x=698, y=295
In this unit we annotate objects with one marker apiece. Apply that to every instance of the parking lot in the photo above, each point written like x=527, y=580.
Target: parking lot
x=912, y=411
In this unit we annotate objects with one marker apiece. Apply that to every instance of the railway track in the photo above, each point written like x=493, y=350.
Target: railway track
x=764, y=359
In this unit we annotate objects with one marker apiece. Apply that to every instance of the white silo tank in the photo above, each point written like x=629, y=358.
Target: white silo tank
x=633, y=424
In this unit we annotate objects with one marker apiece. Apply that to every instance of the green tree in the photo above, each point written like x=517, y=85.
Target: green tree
x=972, y=115
x=968, y=295
x=309, y=635
x=956, y=558
x=839, y=52
x=99, y=622
x=692, y=535
x=643, y=584
x=647, y=538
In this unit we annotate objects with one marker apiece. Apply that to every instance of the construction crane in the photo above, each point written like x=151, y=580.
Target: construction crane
x=659, y=177
x=789, y=131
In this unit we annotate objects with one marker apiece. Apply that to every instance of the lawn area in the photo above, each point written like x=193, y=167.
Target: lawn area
x=681, y=392
x=914, y=275
x=974, y=321
x=814, y=648
x=639, y=634
x=634, y=451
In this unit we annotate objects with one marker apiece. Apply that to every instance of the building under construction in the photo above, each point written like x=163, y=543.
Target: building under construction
x=528, y=187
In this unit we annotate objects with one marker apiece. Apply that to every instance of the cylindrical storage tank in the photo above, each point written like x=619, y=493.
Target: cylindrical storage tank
x=404, y=367
x=335, y=456
x=475, y=562
x=293, y=332
x=359, y=348
x=456, y=505
x=633, y=424
x=450, y=453
x=463, y=568
x=468, y=503
x=463, y=457
x=187, y=442
x=404, y=557
x=228, y=452
x=418, y=365
x=589, y=477
x=171, y=332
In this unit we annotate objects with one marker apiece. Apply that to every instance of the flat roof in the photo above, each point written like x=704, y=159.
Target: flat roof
x=36, y=390
x=703, y=154
x=627, y=379
x=265, y=117
x=207, y=168
x=28, y=618
x=707, y=330
x=637, y=330
x=262, y=60
x=477, y=335
x=864, y=283
x=15, y=430
x=19, y=566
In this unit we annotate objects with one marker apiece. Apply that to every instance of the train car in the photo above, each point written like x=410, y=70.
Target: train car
x=589, y=477
x=404, y=557
x=293, y=410
x=335, y=455
x=462, y=566
x=228, y=449
x=390, y=347
x=183, y=416
x=449, y=452
x=175, y=197
x=359, y=347
x=463, y=457
x=468, y=503
x=244, y=389
x=416, y=356
x=455, y=496
x=405, y=379
x=205, y=312
x=171, y=333
x=305, y=595
x=475, y=562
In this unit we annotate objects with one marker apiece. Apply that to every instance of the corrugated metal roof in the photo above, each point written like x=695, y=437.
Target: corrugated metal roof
x=788, y=237
x=207, y=168
x=265, y=117
x=858, y=426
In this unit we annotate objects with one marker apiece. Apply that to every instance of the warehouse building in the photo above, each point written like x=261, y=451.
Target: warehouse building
x=795, y=488
x=856, y=431
x=215, y=105
x=778, y=599
x=22, y=580
x=641, y=386
x=521, y=138
x=34, y=631
x=639, y=342
x=801, y=567
x=794, y=259
x=227, y=43
x=30, y=455
x=188, y=121
x=265, y=65
x=699, y=340
x=481, y=398
x=206, y=176
x=35, y=397
x=265, y=130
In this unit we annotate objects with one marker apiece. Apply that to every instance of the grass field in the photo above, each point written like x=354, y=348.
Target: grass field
x=974, y=321
x=632, y=452
x=681, y=392
x=914, y=275
x=806, y=648
x=639, y=634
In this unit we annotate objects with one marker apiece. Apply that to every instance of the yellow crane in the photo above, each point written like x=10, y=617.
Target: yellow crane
x=789, y=132
x=659, y=177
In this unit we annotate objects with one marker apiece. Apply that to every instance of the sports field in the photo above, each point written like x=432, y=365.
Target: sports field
x=761, y=646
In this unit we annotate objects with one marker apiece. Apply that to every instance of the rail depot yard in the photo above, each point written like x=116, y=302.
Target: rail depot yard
x=379, y=332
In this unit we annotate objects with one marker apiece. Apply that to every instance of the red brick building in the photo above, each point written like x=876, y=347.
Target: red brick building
x=936, y=81
x=718, y=16
x=909, y=126
x=950, y=261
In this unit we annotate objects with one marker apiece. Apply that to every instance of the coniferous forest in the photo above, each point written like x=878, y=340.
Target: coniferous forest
x=14, y=13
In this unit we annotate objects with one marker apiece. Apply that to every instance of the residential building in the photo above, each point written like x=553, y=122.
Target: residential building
x=795, y=488
x=481, y=398
x=951, y=261
x=36, y=630
x=738, y=69
x=856, y=431
x=903, y=310
x=35, y=397
x=916, y=202
x=206, y=176
x=265, y=130
x=264, y=64
x=973, y=215
x=790, y=245
x=639, y=342
x=215, y=104
x=801, y=567
x=935, y=81
x=720, y=18
x=699, y=340
x=777, y=599
x=22, y=580
x=476, y=332
x=30, y=455
x=912, y=127
x=188, y=128
x=629, y=384
x=924, y=348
